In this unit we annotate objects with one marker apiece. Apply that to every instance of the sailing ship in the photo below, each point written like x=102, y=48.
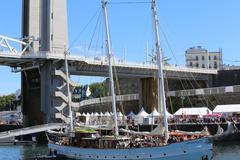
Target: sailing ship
x=89, y=144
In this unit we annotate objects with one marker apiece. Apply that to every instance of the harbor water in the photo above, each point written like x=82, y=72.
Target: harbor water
x=221, y=151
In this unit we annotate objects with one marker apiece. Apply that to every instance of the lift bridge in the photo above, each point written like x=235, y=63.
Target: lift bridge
x=39, y=56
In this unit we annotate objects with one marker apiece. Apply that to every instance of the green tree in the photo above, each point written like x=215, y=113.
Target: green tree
x=6, y=101
x=97, y=90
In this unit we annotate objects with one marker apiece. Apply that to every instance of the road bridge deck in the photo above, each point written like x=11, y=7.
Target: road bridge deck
x=99, y=66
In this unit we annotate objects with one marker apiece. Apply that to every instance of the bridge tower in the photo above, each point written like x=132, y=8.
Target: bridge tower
x=46, y=22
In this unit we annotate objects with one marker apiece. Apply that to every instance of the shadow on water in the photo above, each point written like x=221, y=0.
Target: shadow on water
x=226, y=151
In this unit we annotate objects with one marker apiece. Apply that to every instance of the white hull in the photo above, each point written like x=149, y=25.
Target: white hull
x=188, y=150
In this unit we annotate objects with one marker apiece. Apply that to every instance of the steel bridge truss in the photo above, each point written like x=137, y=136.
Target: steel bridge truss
x=15, y=46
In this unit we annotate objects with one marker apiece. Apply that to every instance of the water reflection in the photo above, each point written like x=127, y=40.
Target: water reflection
x=20, y=152
x=226, y=151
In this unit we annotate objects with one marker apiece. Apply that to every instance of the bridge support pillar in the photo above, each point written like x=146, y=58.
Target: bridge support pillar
x=41, y=19
x=31, y=97
x=149, y=94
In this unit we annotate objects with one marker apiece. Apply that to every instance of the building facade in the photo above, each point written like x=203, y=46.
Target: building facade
x=198, y=57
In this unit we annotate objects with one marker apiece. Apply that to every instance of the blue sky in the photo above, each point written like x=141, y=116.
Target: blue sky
x=185, y=23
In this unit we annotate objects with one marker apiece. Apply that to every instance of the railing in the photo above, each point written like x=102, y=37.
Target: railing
x=128, y=97
x=103, y=61
x=204, y=91
x=15, y=46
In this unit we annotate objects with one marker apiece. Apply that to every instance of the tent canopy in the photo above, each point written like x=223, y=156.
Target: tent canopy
x=231, y=108
x=169, y=115
x=198, y=111
x=154, y=113
x=142, y=113
x=119, y=114
x=131, y=114
x=107, y=114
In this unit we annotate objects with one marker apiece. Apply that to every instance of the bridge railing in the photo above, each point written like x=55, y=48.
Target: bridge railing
x=92, y=101
x=204, y=91
x=103, y=61
x=15, y=46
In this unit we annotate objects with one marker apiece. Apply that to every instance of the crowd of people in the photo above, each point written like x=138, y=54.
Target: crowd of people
x=205, y=119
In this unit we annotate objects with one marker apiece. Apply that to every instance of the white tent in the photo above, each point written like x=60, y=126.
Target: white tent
x=142, y=113
x=154, y=113
x=119, y=114
x=131, y=115
x=78, y=114
x=231, y=108
x=107, y=114
x=96, y=114
x=197, y=111
x=140, y=116
x=169, y=115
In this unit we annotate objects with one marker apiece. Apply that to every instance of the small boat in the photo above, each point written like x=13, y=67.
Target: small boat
x=90, y=144
x=231, y=134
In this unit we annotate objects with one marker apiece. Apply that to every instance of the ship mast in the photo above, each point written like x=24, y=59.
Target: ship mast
x=109, y=54
x=161, y=91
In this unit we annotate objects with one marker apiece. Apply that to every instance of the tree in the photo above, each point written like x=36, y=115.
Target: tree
x=6, y=101
x=97, y=90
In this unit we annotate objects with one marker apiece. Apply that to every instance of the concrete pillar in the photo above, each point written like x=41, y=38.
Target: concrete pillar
x=46, y=21
x=149, y=94
x=53, y=17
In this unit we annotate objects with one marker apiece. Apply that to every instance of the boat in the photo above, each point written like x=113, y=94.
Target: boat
x=90, y=144
x=231, y=134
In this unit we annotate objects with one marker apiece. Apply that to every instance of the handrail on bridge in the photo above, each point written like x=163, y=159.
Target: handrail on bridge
x=92, y=101
x=7, y=43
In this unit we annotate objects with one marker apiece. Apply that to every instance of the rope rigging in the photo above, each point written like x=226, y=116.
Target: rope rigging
x=202, y=99
x=83, y=29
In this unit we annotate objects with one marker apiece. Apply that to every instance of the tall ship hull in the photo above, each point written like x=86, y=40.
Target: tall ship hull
x=199, y=149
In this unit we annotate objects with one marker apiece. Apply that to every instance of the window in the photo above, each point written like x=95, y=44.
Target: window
x=215, y=65
x=197, y=65
x=215, y=57
x=210, y=66
x=203, y=57
x=209, y=57
x=190, y=64
x=203, y=65
x=196, y=57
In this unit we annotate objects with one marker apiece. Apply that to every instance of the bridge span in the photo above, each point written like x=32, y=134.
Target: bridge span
x=98, y=66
